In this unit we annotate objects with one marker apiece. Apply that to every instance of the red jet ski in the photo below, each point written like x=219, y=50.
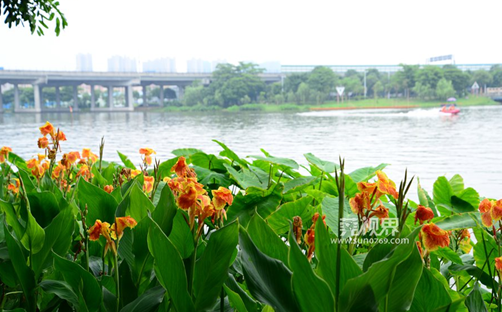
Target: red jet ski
x=451, y=109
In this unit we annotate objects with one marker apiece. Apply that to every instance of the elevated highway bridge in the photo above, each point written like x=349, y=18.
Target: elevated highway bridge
x=109, y=80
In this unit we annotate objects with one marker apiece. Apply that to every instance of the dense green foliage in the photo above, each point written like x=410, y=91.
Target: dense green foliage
x=37, y=13
x=274, y=249
x=427, y=83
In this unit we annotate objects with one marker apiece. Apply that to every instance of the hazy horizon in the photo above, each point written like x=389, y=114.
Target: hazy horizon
x=292, y=33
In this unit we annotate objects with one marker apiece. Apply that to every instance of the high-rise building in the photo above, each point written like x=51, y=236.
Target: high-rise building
x=194, y=66
x=121, y=64
x=201, y=66
x=84, y=62
x=162, y=65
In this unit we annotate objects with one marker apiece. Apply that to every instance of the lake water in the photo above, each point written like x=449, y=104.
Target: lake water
x=426, y=142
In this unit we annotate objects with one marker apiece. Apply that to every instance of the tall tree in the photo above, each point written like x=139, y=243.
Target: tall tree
x=429, y=75
x=322, y=79
x=372, y=76
x=377, y=88
x=458, y=78
x=407, y=77
x=293, y=81
x=482, y=77
x=444, y=89
x=496, y=72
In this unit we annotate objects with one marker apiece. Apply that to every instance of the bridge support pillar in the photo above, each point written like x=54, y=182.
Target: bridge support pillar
x=93, y=99
x=37, y=98
x=181, y=92
x=75, y=98
x=1, y=100
x=161, y=96
x=128, y=98
x=110, y=97
x=145, y=103
x=58, y=97
x=17, y=106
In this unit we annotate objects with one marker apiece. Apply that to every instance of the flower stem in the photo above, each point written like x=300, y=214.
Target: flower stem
x=116, y=264
x=191, y=269
x=340, y=182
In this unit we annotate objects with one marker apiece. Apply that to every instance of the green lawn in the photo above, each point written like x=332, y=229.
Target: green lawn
x=368, y=103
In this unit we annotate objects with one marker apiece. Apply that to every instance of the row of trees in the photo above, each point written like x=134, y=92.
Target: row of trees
x=236, y=85
x=241, y=84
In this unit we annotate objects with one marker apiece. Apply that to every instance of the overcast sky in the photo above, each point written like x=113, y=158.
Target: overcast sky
x=291, y=32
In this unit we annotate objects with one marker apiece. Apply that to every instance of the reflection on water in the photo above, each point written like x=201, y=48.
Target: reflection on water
x=426, y=142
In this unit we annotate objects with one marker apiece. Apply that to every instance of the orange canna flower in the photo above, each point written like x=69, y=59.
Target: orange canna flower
x=205, y=208
x=45, y=165
x=465, y=241
x=148, y=184
x=166, y=179
x=135, y=173
x=146, y=151
x=102, y=228
x=381, y=212
x=4, y=153
x=221, y=197
x=485, y=207
x=360, y=203
x=14, y=188
x=366, y=187
x=108, y=188
x=385, y=185
x=95, y=230
x=43, y=142
x=86, y=153
x=434, y=237
x=85, y=173
x=188, y=198
x=120, y=224
x=310, y=242
x=423, y=214
x=315, y=217
x=498, y=263
x=41, y=157
x=46, y=129
x=496, y=212
x=61, y=136
x=57, y=170
x=73, y=156
x=181, y=168
x=36, y=169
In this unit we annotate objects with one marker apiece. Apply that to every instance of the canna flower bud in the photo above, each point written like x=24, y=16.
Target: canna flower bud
x=297, y=228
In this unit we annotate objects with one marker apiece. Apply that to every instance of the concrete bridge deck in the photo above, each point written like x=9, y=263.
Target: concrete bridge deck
x=110, y=80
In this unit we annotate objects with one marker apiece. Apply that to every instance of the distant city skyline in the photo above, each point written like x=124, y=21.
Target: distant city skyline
x=292, y=33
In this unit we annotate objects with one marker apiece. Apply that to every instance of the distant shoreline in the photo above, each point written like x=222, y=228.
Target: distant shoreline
x=362, y=107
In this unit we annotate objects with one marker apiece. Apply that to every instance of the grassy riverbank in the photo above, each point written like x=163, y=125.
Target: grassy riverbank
x=361, y=104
